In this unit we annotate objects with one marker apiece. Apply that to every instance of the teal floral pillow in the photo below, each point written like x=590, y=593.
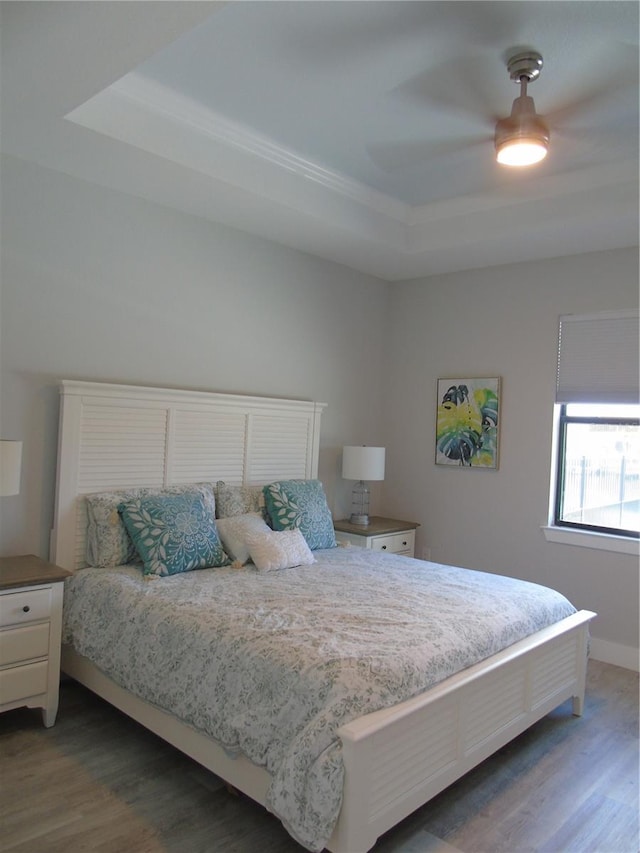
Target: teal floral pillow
x=173, y=533
x=301, y=504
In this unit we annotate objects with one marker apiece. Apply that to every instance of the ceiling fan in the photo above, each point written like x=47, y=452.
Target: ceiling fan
x=460, y=86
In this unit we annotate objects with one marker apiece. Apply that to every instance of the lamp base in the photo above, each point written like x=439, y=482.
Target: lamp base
x=360, y=504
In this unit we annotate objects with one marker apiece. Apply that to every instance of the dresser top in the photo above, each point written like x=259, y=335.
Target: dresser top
x=28, y=570
x=377, y=525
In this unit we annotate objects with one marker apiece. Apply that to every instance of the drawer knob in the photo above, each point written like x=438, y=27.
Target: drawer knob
x=26, y=608
x=384, y=547
x=404, y=542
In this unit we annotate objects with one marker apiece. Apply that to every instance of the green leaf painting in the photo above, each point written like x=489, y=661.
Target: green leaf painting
x=468, y=422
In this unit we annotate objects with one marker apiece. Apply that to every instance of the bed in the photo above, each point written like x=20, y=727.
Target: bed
x=376, y=766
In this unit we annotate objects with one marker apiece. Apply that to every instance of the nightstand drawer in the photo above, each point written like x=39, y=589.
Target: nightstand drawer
x=22, y=682
x=26, y=606
x=395, y=543
x=24, y=643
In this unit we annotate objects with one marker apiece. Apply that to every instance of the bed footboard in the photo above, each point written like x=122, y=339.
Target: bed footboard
x=399, y=758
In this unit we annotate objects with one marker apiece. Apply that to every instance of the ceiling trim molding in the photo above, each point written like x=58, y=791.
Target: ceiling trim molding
x=162, y=100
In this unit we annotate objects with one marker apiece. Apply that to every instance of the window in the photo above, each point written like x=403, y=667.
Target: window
x=598, y=476
x=595, y=475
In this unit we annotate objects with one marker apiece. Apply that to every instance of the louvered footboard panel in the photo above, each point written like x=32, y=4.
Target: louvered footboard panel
x=553, y=669
x=500, y=701
x=411, y=753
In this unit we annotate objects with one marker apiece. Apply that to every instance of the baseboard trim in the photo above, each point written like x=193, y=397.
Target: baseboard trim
x=615, y=653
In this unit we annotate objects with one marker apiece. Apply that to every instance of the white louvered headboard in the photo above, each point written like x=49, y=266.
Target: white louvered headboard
x=123, y=436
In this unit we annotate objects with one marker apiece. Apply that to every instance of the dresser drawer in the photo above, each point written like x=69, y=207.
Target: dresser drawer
x=20, y=682
x=395, y=543
x=24, y=643
x=26, y=606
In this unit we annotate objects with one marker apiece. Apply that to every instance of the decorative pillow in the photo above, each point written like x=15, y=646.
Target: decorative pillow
x=173, y=533
x=282, y=549
x=234, y=532
x=238, y=500
x=301, y=504
x=108, y=542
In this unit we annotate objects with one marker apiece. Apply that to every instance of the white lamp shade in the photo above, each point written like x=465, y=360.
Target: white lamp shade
x=363, y=463
x=10, y=464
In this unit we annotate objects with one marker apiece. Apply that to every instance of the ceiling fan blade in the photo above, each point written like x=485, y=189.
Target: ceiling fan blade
x=462, y=85
x=402, y=156
x=341, y=35
x=619, y=81
x=596, y=145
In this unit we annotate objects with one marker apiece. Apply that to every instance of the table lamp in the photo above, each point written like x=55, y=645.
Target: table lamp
x=362, y=464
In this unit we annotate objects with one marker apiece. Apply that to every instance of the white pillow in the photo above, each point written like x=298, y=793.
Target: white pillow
x=233, y=532
x=279, y=549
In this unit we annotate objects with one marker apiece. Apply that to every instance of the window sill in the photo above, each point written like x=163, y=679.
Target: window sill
x=587, y=539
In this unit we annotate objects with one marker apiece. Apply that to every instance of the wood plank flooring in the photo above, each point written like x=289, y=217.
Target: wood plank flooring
x=99, y=782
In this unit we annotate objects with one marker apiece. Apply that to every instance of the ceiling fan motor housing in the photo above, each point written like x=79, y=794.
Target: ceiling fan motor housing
x=523, y=123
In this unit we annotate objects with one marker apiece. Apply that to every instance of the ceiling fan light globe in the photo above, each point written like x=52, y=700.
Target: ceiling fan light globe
x=521, y=152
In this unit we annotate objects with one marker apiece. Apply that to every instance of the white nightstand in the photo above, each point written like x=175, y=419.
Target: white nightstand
x=30, y=627
x=381, y=534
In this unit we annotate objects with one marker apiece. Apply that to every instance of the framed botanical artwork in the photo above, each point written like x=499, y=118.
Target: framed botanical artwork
x=468, y=422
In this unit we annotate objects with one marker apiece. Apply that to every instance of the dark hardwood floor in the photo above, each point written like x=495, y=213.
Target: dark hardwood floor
x=97, y=781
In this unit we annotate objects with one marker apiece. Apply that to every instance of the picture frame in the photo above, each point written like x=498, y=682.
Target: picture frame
x=468, y=422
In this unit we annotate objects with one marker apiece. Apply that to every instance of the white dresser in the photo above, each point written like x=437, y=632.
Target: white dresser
x=381, y=534
x=31, y=592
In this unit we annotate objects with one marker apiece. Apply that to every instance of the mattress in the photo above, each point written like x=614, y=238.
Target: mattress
x=271, y=664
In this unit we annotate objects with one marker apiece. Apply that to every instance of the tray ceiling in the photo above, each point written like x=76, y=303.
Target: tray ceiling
x=357, y=131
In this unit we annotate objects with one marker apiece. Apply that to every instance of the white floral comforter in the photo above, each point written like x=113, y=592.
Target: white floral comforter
x=271, y=664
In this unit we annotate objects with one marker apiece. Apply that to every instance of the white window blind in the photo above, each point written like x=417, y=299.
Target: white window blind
x=598, y=358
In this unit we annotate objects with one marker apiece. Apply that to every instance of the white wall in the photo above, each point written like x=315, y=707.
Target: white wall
x=502, y=322
x=102, y=286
